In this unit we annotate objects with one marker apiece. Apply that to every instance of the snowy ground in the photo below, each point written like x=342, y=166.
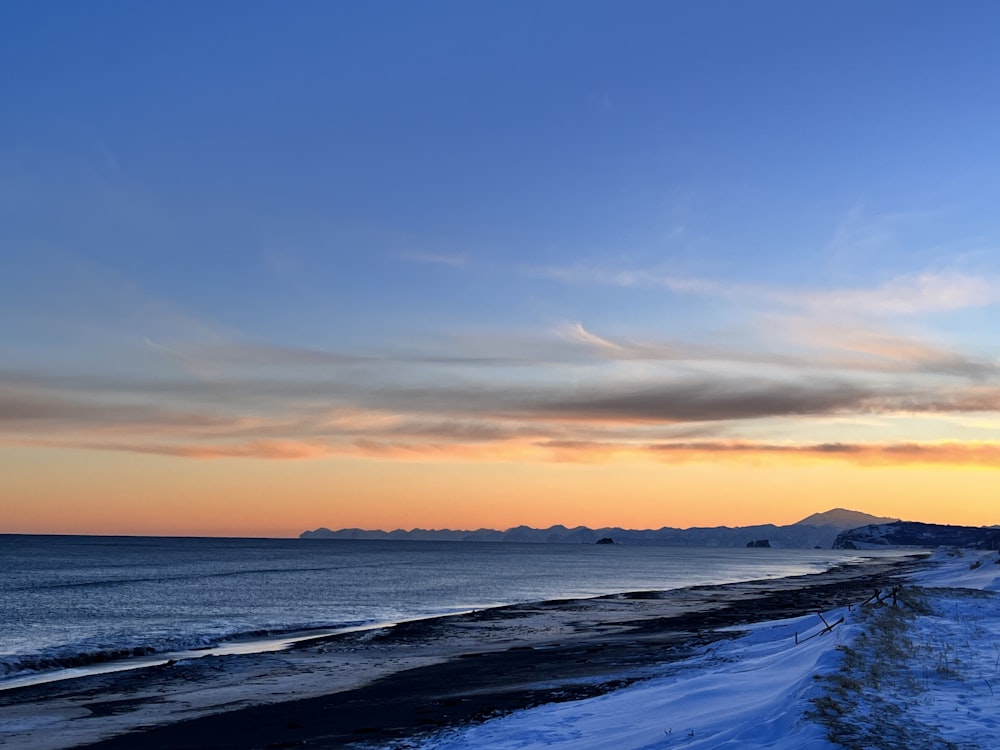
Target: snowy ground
x=923, y=674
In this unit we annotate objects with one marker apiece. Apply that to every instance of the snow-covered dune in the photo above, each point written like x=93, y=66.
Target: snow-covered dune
x=789, y=685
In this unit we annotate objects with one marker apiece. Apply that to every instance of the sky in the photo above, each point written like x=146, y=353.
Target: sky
x=272, y=266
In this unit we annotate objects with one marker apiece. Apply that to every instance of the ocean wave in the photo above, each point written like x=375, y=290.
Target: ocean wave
x=200, y=575
x=17, y=666
x=82, y=655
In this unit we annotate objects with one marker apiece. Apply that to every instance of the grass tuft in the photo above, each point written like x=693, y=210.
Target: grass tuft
x=863, y=704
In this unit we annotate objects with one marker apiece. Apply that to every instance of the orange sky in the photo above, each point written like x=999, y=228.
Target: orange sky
x=103, y=492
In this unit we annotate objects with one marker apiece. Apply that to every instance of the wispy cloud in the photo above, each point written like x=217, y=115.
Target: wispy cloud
x=576, y=333
x=821, y=347
x=862, y=348
x=911, y=294
x=573, y=391
x=986, y=454
x=904, y=295
x=600, y=419
x=586, y=274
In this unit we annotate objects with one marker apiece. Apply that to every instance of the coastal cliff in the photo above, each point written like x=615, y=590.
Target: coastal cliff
x=915, y=534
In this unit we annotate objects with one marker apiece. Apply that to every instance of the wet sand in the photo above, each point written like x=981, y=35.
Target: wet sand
x=391, y=686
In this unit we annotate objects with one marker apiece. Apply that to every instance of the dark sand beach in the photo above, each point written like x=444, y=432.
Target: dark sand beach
x=395, y=684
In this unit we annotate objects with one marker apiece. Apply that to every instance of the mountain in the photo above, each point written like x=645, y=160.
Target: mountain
x=914, y=534
x=842, y=518
x=818, y=530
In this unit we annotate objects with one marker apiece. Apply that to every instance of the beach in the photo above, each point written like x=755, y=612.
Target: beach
x=398, y=686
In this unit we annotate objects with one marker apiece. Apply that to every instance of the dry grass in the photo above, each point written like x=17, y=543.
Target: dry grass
x=863, y=705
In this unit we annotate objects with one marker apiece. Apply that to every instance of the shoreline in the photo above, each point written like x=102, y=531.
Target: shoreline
x=389, y=684
x=46, y=668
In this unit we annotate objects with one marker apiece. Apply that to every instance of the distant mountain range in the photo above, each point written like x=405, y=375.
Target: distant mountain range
x=818, y=530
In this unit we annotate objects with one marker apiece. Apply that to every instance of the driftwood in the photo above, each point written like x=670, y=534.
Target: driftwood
x=882, y=598
x=827, y=627
x=878, y=598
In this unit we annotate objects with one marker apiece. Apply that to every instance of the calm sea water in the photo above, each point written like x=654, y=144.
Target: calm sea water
x=73, y=601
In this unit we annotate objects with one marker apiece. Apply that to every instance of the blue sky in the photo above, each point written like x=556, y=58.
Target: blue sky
x=487, y=213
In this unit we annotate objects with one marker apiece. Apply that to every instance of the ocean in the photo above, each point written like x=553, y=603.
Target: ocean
x=75, y=605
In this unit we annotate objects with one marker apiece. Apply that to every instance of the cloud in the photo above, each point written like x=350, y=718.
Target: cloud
x=578, y=334
x=908, y=294
x=984, y=398
x=873, y=349
x=200, y=356
x=944, y=453
x=903, y=295
x=22, y=408
x=266, y=449
x=701, y=400
x=829, y=348
x=948, y=452
x=261, y=449
x=208, y=360
x=569, y=393
x=357, y=403
x=673, y=421
x=584, y=274
x=982, y=454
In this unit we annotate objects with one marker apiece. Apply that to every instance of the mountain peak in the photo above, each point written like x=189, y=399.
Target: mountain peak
x=843, y=518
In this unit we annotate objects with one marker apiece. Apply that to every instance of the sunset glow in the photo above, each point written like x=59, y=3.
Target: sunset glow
x=388, y=265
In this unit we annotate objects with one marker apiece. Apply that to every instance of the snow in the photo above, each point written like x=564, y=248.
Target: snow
x=938, y=678
x=925, y=674
x=743, y=693
x=953, y=568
